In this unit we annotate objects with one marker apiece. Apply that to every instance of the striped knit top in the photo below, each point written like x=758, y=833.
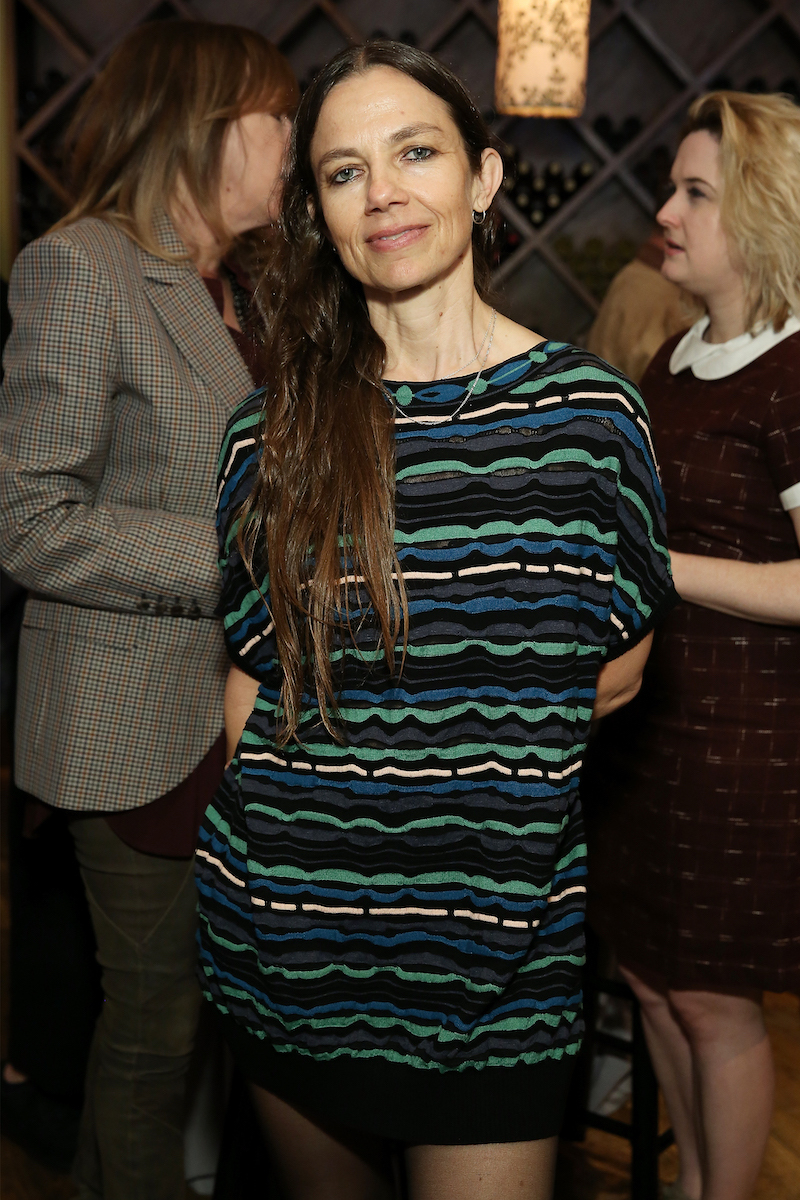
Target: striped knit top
x=416, y=894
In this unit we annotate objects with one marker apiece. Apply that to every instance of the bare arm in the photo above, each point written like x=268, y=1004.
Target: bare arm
x=240, y=697
x=620, y=680
x=765, y=592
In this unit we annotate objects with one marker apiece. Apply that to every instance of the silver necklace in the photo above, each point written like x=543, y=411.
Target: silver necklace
x=470, y=388
x=478, y=353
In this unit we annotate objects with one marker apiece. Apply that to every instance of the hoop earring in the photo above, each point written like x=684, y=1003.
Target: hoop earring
x=478, y=218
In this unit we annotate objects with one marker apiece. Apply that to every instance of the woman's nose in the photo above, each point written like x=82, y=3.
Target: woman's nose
x=384, y=189
x=667, y=215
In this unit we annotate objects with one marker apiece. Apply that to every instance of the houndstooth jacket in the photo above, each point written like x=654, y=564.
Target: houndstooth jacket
x=120, y=378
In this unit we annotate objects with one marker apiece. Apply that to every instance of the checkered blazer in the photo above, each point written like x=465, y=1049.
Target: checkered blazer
x=120, y=378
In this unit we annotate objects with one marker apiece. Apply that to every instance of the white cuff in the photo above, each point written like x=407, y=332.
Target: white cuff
x=791, y=497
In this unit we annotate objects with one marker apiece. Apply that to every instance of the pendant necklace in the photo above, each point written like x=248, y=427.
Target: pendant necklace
x=471, y=386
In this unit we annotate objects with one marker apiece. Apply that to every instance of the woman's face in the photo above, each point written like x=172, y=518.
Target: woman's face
x=250, y=171
x=395, y=185
x=697, y=255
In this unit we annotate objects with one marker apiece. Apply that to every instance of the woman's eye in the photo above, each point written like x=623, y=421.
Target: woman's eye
x=344, y=175
x=696, y=194
x=419, y=153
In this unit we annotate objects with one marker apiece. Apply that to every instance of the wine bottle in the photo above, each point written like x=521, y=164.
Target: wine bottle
x=554, y=174
x=537, y=216
x=631, y=128
x=583, y=172
x=523, y=199
x=604, y=128
x=552, y=200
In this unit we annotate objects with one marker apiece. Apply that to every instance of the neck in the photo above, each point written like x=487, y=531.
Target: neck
x=431, y=332
x=201, y=243
x=727, y=312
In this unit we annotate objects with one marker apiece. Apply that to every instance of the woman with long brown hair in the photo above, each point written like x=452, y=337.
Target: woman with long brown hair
x=441, y=544
x=126, y=355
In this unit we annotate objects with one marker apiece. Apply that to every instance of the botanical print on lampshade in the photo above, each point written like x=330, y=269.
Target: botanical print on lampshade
x=542, y=52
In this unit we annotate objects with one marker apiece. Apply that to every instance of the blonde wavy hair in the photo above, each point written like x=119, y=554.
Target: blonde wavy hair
x=158, y=113
x=759, y=142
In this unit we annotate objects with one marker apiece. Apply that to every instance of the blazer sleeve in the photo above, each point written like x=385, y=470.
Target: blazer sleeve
x=57, y=537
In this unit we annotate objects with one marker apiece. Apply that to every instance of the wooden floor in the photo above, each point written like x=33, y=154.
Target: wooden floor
x=596, y=1169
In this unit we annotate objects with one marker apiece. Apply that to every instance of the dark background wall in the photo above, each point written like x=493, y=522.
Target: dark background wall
x=648, y=60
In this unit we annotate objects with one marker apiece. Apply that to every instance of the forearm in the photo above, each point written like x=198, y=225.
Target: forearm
x=619, y=680
x=111, y=557
x=241, y=691
x=66, y=446
x=764, y=592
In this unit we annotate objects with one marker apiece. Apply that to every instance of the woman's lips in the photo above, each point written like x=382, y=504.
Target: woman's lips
x=397, y=238
x=672, y=247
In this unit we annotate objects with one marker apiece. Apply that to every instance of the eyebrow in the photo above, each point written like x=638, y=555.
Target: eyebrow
x=698, y=179
x=400, y=135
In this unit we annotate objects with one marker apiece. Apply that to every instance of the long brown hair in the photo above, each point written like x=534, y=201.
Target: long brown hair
x=759, y=146
x=158, y=112
x=323, y=504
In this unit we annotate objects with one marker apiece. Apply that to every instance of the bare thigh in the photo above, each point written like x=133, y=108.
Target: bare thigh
x=496, y=1171
x=317, y=1163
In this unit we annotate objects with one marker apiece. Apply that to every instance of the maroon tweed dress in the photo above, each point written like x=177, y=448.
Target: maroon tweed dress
x=693, y=791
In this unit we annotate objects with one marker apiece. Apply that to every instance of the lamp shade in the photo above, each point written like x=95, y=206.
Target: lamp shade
x=542, y=52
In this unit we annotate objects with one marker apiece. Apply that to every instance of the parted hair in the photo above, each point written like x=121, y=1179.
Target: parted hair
x=759, y=141
x=323, y=504
x=158, y=112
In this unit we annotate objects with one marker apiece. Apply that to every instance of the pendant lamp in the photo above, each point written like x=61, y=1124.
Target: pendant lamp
x=542, y=52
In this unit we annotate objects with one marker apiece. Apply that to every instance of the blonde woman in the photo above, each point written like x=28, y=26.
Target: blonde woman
x=126, y=358
x=694, y=859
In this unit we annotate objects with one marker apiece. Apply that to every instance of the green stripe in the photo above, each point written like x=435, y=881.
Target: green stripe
x=480, y=883
x=457, y=466
x=438, y=754
x=440, y=533
x=435, y=822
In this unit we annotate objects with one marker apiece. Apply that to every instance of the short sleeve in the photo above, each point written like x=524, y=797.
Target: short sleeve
x=642, y=591
x=243, y=605
x=782, y=444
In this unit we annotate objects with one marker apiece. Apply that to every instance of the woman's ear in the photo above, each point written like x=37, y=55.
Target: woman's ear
x=311, y=207
x=488, y=179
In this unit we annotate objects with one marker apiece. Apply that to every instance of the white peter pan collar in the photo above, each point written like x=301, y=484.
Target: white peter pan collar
x=715, y=360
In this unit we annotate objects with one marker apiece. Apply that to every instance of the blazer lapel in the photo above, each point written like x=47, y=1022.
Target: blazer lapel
x=189, y=315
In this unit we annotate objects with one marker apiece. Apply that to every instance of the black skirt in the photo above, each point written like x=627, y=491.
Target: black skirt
x=522, y=1103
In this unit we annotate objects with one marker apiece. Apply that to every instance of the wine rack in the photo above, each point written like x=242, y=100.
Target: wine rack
x=579, y=195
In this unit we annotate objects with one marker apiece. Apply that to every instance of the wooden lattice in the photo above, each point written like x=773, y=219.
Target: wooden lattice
x=612, y=166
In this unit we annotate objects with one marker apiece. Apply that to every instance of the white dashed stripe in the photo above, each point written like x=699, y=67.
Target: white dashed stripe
x=432, y=773
x=279, y=762
x=509, y=566
x=484, y=412
x=475, y=916
x=235, y=448
x=409, y=912
x=487, y=766
x=215, y=862
x=334, y=911
x=572, y=570
x=570, y=891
